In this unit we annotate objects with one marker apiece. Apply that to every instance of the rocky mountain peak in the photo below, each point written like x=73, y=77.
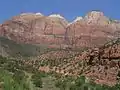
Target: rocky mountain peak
x=96, y=17
x=56, y=16
x=78, y=19
x=59, y=19
x=94, y=14
x=40, y=14
x=91, y=30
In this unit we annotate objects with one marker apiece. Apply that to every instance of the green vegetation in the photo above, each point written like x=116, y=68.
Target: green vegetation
x=20, y=74
x=15, y=75
x=16, y=49
x=112, y=42
x=81, y=83
x=11, y=81
x=11, y=76
x=36, y=78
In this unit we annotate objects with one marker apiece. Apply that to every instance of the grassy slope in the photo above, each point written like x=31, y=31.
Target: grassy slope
x=13, y=49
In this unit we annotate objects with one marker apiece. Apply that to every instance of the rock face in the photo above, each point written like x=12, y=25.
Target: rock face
x=99, y=64
x=105, y=63
x=90, y=31
x=35, y=29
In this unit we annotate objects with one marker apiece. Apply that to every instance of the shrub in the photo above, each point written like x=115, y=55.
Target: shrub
x=36, y=78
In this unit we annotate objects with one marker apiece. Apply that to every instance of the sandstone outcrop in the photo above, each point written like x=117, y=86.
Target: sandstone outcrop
x=92, y=30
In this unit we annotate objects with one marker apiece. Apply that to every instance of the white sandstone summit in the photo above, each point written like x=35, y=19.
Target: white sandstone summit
x=32, y=14
x=94, y=15
x=39, y=14
x=56, y=16
x=78, y=19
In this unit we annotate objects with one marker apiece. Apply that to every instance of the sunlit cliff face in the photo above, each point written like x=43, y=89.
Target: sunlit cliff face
x=90, y=30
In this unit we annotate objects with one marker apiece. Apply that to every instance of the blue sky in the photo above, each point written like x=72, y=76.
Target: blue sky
x=68, y=8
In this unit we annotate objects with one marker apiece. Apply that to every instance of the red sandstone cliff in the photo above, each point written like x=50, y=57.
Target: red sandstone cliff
x=90, y=31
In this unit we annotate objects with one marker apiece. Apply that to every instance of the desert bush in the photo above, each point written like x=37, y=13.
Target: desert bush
x=37, y=81
x=61, y=84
